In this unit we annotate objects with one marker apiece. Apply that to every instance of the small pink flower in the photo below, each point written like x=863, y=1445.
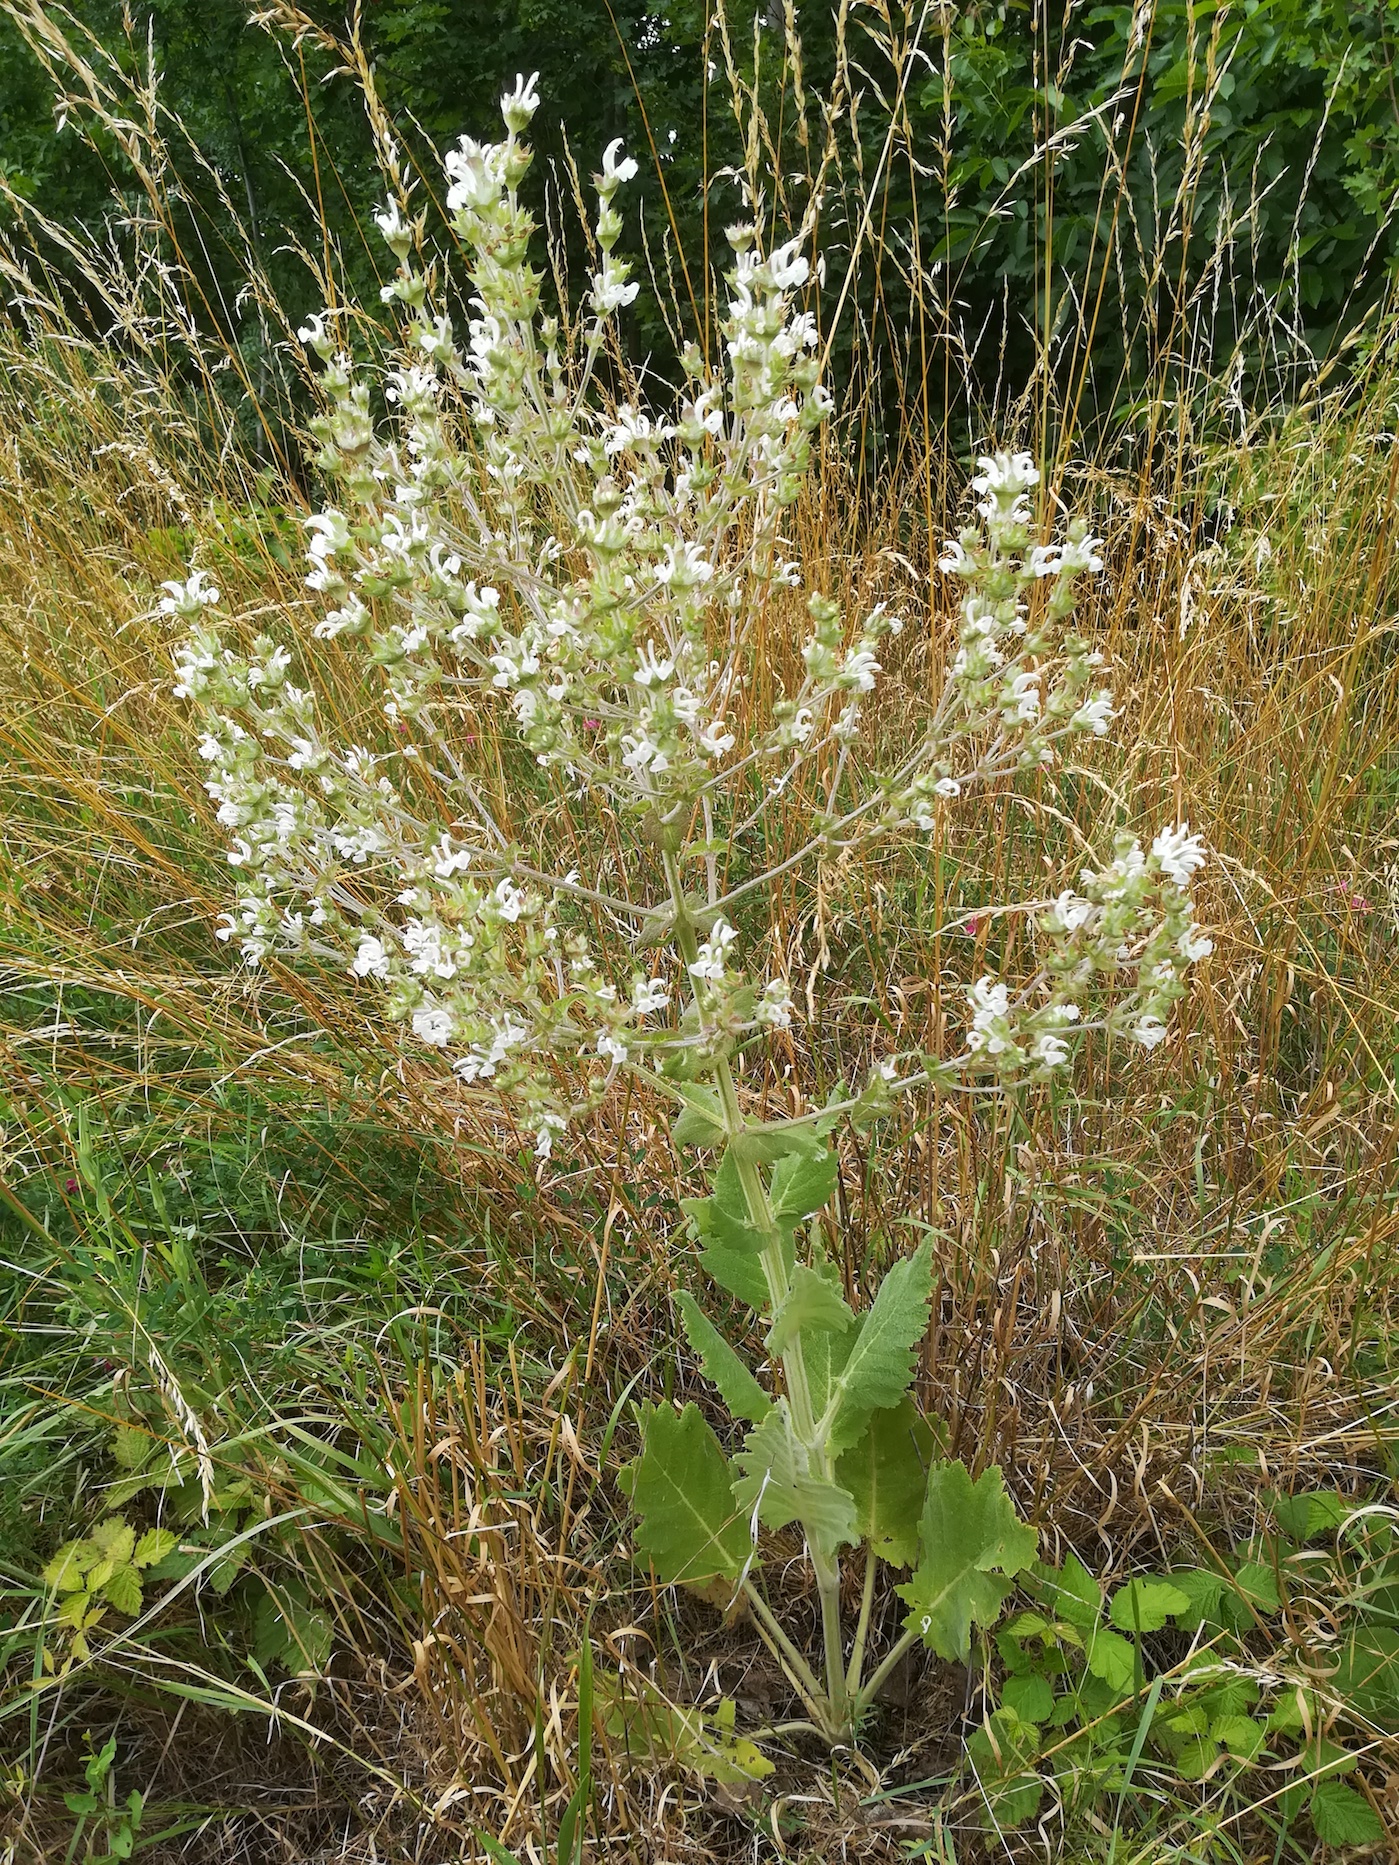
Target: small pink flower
x=592, y=725
x=70, y=1185
x=973, y=926
x=470, y=738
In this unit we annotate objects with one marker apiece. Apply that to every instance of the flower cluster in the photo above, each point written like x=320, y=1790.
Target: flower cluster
x=1127, y=942
x=512, y=538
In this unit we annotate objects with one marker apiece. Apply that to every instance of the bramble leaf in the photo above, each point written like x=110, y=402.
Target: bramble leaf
x=1032, y=1698
x=1259, y=1585
x=1112, y=1658
x=810, y=1306
x=115, y=1538
x=880, y=1366
x=1071, y=1592
x=1368, y=1674
x=972, y=1543
x=779, y=1482
x=1146, y=1605
x=154, y=1545
x=679, y=1486
x=887, y=1474
x=1315, y=1512
x=723, y=1368
x=1342, y=1817
x=123, y=1589
x=74, y=1559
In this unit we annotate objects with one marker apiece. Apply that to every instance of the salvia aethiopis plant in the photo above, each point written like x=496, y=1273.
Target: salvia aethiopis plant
x=507, y=534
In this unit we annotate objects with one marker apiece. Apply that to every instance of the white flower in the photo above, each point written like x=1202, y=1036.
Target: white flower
x=1094, y=714
x=652, y=668
x=189, y=597
x=549, y=1125
x=519, y=105
x=774, y=1008
x=449, y=860
x=1148, y=1031
x=391, y=224
x=1045, y=560
x=640, y=754
x=989, y=1003
x=478, y=172
x=954, y=560
x=1082, y=555
x=684, y=566
x=432, y=1024
x=611, y=291
x=786, y=266
x=312, y=332
x=709, y=961
x=1179, y=852
x=1050, y=1050
x=860, y=670
x=371, y=960
x=1072, y=910
x=715, y=741
x=609, y=1048
x=947, y=787
x=648, y=995
x=615, y=172
x=510, y=901
x=1193, y=947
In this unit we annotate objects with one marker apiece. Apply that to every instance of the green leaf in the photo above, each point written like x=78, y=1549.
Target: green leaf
x=738, y=1271
x=1368, y=1674
x=768, y=1145
x=972, y=1543
x=801, y=1186
x=779, y=1482
x=1071, y=1592
x=810, y=1306
x=1002, y=1752
x=1342, y=1817
x=1241, y=1735
x=154, y=1545
x=132, y=1448
x=1203, y=1591
x=1259, y=1585
x=123, y=1589
x=1032, y=1698
x=74, y=1559
x=1112, y=1658
x=887, y=1474
x=115, y=1538
x=650, y=1731
x=880, y=1366
x=701, y=1121
x=1146, y=1605
x=738, y=1388
x=680, y=1489
x=1315, y=1512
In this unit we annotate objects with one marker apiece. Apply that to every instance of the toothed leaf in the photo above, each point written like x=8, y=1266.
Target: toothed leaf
x=738, y=1388
x=680, y=1487
x=880, y=1365
x=972, y=1544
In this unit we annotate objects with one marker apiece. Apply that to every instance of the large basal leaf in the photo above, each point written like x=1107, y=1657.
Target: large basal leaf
x=779, y=1482
x=887, y=1474
x=1146, y=1605
x=738, y=1389
x=880, y=1366
x=801, y=1186
x=972, y=1543
x=811, y=1306
x=680, y=1487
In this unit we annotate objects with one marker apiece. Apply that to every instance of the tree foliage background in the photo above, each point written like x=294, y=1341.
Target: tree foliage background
x=1136, y=172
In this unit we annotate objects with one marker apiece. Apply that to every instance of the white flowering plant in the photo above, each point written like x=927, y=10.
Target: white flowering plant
x=503, y=533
